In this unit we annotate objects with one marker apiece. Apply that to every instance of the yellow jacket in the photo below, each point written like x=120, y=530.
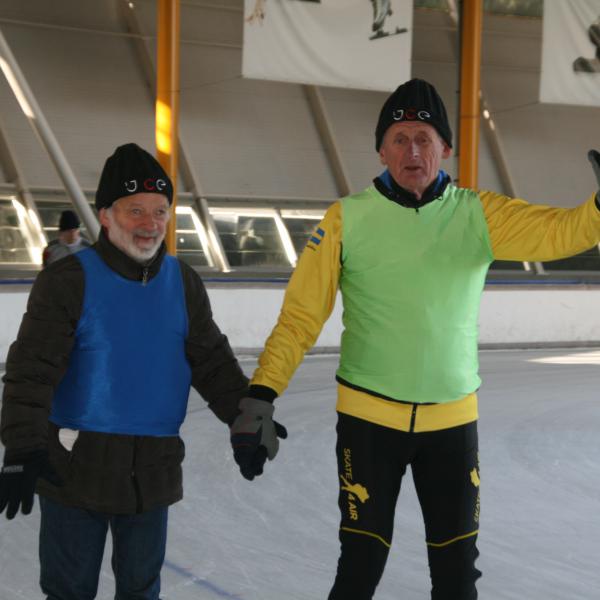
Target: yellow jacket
x=518, y=231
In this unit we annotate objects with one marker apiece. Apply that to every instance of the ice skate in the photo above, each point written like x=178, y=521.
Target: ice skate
x=586, y=65
x=383, y=34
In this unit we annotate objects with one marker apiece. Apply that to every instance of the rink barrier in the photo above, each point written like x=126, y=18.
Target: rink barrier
x=514, y=314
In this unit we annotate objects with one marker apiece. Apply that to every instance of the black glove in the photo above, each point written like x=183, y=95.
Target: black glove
x=18, y=477
x=594, y=158
x=254, y=436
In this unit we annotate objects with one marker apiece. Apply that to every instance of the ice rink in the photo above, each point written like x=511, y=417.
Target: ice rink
x=276, y=538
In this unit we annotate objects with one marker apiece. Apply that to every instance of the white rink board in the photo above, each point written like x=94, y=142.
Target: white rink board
x=509, y=315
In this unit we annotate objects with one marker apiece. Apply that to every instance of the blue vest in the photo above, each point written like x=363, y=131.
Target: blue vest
x=127, y=372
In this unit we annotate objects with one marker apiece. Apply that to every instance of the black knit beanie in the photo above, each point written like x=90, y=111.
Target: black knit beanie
x=131, y=170
x=415, y=100
x=68, y=220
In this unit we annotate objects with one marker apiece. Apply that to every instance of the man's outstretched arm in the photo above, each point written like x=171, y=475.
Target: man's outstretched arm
x=532, y=232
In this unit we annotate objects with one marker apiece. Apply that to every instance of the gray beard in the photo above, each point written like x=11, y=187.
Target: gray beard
x=123, y=240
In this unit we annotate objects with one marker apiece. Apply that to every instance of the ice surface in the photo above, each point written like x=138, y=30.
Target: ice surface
x=276, y=538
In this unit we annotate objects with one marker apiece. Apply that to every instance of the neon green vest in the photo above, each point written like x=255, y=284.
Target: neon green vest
x=411, y=285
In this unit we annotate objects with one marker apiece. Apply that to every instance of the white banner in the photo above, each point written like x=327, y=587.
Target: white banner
x=363, y=44
x=571, y=52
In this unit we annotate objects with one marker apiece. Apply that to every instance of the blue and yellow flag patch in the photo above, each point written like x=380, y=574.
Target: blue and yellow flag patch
x=317, y=237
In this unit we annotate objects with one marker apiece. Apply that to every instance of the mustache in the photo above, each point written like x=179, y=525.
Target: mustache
x=145, y=234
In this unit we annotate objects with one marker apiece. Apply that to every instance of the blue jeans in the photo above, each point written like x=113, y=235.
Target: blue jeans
x=72, y=545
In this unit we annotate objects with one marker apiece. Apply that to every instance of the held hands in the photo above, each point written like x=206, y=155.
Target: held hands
x=17, y=481
x=254, y=436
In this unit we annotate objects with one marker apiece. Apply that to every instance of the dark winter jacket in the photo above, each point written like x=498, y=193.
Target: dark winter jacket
x=56, y=250
x=111, y=473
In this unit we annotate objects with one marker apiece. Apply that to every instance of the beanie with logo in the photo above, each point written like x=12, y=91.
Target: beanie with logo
x=131, y=170
x=415, y=100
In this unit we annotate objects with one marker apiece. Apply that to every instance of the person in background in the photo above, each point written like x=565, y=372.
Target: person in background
x=96, y=389
x=410, y=255
x=69, y=239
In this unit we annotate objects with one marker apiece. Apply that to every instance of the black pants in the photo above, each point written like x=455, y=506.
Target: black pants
x=372, y=460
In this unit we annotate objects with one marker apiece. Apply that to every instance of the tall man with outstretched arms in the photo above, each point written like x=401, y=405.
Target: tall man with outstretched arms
x=410, y=255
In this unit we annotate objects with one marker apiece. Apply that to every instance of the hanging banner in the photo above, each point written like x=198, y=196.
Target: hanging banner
x=571, y=52
x=363, y=44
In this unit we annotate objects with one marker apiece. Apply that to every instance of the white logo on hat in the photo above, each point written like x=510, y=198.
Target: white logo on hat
x=131, y=186
x=161, y=184
x=410, y=114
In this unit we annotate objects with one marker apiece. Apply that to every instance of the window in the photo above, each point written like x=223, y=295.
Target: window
x=254, y=237
x=192, y=243
x=20, y=234
x=301, y=224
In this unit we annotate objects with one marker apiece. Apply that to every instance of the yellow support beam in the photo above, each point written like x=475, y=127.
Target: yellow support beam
x=470, y=85
x=167, y=102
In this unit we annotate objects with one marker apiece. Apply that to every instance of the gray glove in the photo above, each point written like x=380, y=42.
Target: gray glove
x=594, y=158
x=254, y=436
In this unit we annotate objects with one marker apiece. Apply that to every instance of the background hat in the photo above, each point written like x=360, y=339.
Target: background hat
x=68, y=220
x=415, y=100
x=131, y=170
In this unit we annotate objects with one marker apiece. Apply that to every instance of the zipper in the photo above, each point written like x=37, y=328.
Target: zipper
x=134, y=481
x=145, y=275
x=413, y=418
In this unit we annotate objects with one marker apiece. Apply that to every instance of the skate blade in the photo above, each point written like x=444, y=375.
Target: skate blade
x=383, y=34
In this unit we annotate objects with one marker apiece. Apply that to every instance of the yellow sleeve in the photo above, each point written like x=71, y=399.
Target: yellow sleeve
x=308, y=302
x=533, y=232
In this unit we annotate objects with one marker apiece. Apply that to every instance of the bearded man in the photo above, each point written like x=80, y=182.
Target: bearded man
x=96, y=389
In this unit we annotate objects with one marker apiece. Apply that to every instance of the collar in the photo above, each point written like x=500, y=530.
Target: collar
x=386, y=185
x=124, y=265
